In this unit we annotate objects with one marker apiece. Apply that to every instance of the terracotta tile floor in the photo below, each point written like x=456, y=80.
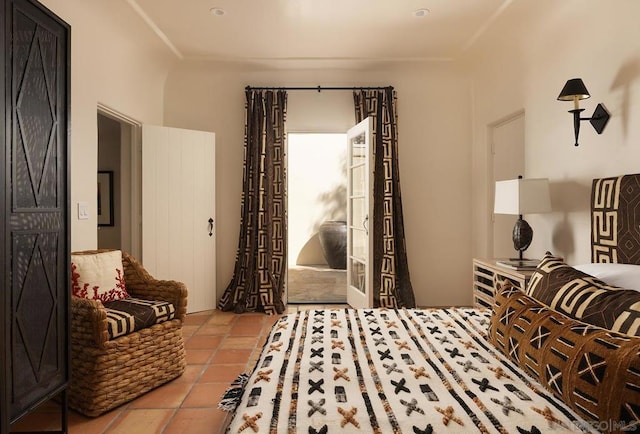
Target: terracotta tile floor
x=219, y=345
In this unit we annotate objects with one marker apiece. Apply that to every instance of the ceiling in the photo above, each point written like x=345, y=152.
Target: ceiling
x=273, y=30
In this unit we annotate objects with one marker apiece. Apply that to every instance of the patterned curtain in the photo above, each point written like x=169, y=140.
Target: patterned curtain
x=261, y=261
x=391, y=281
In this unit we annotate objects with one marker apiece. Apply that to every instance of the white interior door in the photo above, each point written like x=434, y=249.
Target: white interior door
x=359, y=215
x=508, y=163
x=178, y=210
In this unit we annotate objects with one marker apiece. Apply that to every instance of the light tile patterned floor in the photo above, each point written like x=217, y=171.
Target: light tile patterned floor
x=219, y=345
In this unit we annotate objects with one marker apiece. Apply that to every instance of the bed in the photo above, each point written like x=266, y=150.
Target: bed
x=562, y=357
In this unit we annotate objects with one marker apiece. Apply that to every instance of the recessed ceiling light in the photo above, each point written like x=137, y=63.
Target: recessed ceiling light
x=421, y=13
x=217, y=11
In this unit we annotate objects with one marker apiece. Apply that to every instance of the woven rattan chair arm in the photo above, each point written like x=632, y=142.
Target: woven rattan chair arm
x=142, y=285
x=133, y=270
x=165, y=290
x=88, y=322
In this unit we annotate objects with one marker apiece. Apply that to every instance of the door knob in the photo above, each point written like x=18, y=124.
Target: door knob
x=210, y=226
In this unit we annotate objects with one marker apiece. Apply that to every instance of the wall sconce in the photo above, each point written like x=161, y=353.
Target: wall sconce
x=575, y=90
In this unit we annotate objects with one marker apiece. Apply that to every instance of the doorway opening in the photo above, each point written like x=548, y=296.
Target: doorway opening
x=317, y=203
x=507, y=162
x=118, y=138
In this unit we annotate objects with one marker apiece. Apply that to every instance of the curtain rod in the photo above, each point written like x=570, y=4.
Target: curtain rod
x=318, y=88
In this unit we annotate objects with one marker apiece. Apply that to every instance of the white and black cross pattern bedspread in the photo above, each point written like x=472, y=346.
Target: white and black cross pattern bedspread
x=391, y=371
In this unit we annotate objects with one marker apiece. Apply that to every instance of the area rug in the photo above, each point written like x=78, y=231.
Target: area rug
x=391, y=371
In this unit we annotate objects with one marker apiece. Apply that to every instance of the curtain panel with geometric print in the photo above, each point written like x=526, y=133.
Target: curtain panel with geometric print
x=391, y=280
x=261, y=260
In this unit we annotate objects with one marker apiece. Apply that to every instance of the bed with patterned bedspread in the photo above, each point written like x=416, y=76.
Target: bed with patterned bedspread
x=562, y=357
x=382, y=370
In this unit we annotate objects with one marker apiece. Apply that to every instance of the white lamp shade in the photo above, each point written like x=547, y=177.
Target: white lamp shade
x=522, y=196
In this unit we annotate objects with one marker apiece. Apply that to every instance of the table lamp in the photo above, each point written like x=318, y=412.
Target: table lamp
x=522, y=196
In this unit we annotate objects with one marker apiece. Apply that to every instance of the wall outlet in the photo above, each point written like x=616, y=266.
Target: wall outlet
x=83, y=211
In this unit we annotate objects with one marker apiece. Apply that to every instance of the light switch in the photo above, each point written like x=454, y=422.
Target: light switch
x=83, y=210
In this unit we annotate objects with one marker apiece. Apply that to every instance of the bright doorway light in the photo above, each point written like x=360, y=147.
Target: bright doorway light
x=317, y=191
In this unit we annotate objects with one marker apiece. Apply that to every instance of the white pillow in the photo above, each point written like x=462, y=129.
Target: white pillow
x=98, y=276
x=623, y=275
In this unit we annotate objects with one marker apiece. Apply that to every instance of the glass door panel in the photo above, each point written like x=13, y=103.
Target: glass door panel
x=359, y=212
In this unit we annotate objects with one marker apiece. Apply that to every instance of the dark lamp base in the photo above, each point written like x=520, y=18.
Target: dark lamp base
x=522, y=236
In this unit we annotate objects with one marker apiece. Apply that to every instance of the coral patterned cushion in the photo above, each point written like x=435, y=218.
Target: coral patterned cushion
x=98, y=276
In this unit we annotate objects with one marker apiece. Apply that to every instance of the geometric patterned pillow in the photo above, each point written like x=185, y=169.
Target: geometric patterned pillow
x=585, y=298
x=98, y=276
x=594, y=371
x=132, y=314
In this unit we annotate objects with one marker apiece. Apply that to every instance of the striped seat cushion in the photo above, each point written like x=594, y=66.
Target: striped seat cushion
x=131, y=314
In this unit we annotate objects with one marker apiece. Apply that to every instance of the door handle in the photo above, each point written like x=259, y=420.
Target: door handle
x=210, y=226
x=365, y=224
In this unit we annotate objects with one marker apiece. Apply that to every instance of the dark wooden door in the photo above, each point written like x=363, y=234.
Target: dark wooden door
x=35, y=215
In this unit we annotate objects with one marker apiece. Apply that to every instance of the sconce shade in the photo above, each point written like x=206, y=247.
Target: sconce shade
x=573, y=88
x=522, y=196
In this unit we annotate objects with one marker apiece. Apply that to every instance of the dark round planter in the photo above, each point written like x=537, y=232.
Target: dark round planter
x=333, y=240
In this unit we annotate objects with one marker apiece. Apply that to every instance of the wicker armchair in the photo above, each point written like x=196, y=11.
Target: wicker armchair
x=107, y=373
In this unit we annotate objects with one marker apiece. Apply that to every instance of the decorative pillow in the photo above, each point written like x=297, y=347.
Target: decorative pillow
x=98, y=276
x=622, y=275
x=594, y=371
x=133, y=314
x=585, y=298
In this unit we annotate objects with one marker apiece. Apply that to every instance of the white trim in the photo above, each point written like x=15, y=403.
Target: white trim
x=489, y=181
x=116, y=115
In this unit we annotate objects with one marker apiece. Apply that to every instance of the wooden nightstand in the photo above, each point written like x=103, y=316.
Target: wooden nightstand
x=484, y=271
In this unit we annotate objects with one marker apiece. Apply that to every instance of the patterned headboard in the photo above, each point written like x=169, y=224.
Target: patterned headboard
x=615, y=219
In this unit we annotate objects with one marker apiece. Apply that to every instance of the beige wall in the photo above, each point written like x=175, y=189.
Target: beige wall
x=522, y=63
x=117, y=61
x=435, y=159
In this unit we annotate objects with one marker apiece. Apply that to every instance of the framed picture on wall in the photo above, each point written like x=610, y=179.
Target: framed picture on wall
x=105, y=198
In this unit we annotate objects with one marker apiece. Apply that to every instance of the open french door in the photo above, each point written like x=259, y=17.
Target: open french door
x=178, y=210
x=359, y=215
